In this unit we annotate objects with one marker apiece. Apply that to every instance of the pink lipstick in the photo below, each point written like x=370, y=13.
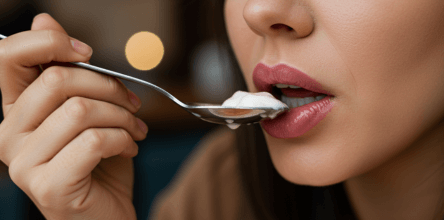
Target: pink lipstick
x=299, y=120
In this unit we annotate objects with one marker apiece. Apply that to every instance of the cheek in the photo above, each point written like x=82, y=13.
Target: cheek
x=242, y=39
x=389, y=48
x=394, y=53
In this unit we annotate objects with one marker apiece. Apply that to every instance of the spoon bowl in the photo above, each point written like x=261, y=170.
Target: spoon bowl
x=227, y=115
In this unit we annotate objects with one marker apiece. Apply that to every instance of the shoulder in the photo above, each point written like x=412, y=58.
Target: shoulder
x=214, y=156
x=208, y=186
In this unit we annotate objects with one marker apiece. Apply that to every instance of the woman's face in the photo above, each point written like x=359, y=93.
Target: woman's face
x=380, y=61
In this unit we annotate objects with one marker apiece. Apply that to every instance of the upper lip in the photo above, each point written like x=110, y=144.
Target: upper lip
x=264, y=77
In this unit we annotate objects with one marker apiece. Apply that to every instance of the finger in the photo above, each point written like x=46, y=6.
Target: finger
x=57, y=84
x=22, y=52
x=82, y=154
x=69, y=121
x=67, y=172
x=31, y=48
x=44, y=21
x=62, y=186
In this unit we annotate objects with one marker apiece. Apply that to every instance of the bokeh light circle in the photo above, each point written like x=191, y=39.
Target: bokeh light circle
x=144, y=50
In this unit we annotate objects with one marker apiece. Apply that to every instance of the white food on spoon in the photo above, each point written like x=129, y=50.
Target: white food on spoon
x=260, y=99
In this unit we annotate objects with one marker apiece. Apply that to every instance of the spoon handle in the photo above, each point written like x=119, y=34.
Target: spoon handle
x=128, y=78
x=125, y=77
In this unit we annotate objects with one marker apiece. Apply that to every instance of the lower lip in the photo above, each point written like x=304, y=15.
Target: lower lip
x=298, y=121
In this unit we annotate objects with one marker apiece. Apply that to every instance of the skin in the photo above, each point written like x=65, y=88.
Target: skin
x=383, y=62
x=68, y=133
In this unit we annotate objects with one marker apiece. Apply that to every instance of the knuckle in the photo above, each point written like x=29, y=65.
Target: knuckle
x=53, y=77
x=92, y=139
x=76, y=108
x=113, y=86
x=78, y=205
x=131, y=119
x=127, y=116
x=126, y=136
x=43, y=193
x=15, y=172
x=39, y=22
x=53, y=37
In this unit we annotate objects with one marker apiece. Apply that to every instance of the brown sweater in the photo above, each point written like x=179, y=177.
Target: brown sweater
x=208, y=186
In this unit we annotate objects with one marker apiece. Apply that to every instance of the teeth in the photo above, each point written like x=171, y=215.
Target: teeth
x=301, y=101
x=284, y=99
x=296, y=102
x=292, y=103
x=309, y=99
x=283, y=86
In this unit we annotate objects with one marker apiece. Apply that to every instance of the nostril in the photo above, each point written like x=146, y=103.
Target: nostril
x=281, y=26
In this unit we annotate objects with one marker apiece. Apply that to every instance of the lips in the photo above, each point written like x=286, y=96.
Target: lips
x=299, y=120
x=265, y=77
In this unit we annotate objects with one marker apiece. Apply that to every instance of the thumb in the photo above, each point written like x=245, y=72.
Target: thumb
x=20, y=55
x=44, y=21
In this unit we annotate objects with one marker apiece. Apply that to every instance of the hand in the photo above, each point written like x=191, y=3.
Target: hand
x=68, y=133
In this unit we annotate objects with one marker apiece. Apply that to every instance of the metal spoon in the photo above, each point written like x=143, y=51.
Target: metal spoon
x=208, y=112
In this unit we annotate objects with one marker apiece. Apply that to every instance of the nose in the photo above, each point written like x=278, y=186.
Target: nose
x=278, y=17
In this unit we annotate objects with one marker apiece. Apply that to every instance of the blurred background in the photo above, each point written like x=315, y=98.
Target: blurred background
x=196, y=67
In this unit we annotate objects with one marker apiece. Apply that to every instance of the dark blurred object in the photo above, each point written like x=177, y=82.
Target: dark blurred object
x=160, y=155
x=16, y=16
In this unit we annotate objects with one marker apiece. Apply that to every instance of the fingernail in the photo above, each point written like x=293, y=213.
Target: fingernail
x=133, y=98
x=81, y=48
x=142, y=126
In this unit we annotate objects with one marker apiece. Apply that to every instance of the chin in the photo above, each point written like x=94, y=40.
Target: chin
x=313, y=161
